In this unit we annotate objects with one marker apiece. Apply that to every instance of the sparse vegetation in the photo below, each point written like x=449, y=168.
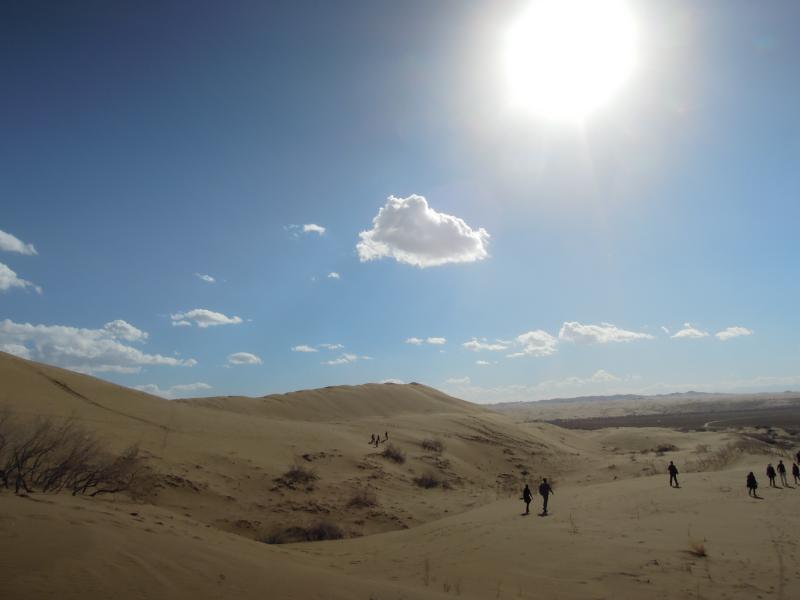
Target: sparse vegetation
x=45, y=456
x=432, y=445
x=428, y=480
x=363, y=499
x=393, y=453
x=697, y=549
x=320, y=531
x=298, y=475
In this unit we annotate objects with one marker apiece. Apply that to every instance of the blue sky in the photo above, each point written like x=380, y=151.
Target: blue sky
x=146, y=143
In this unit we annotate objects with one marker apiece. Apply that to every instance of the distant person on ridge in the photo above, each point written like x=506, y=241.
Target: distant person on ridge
x=372, y=440
x=673, y=474
x=782, y=473
x=386, y=439
x=527, y=496
x=752, y=485
x=798, y=456
x=545, y=490
x=796, y=473
x=771, y=475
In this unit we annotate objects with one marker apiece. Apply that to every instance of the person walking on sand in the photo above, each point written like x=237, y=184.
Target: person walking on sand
x=771, y=475
x=673, y=474
x=752, y=485
x=527, y=496
x=372, y=440
x=796, y=473
x=545, y=490
x=782, y=473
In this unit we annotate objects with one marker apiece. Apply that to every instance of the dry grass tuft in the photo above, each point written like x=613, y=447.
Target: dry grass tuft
x=393, y=453
x=320, y=531
x=363, y=499
x=432, y=445
x=298, y=475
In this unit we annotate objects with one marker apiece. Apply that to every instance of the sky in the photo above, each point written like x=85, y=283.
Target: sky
x=256, y=197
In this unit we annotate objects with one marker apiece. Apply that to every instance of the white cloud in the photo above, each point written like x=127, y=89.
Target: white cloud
x=203, y=318
x=390, y=380
x=331, y=346
x=477, y=345
x=535, y=343
x=690, y=332
x=16, y=350
x=415, y=341
x=437, y=341
x=411, y=232
x=85, y=350
x=313, y=228
x=9, y=279
x=458, y=381
x=433, y=341
x=176, y=391
x=665, y=329
x=125, y=331
x=243, y=358
x=603, y=375
x=334, y=275
x=304, y=348
x=181, y=324
x=732, y=332
x=482, y=363
x=11, y=243
x=605, y=333
x=204, y=277
x=346, y=359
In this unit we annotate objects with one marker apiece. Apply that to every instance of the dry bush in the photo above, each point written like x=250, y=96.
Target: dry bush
x=724, y=456
x=394, y=454
x=428, y=480
x=363, y=499
x=432, y=445
x=298, y=475
x=697, y=549
x=44, y=456
x=320, y=531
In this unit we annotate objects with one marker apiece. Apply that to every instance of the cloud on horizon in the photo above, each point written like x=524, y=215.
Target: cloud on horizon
x=182, y=390
x=409, y=231
x=203, y=318
x=346, y=359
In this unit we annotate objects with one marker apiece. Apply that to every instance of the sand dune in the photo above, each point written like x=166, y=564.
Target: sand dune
x=616, y=529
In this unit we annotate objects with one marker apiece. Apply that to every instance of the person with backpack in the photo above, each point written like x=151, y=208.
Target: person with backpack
x=673, y=474
x=527, y=496
x=782, y=473
x=752, y=485
x=771, y=475
x=545, y=490
x=796, y=473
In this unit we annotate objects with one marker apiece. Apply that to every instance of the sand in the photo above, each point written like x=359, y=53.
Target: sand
x=616, y=529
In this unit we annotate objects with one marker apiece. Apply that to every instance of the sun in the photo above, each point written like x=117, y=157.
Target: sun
x=565, y=59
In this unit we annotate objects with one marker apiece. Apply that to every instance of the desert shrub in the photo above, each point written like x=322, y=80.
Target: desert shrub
x=298, y=475
x=428, y=480
x=393, y=453
x=363, y=499
x=697, y=549
x=320, y=531
x=45, y=456
x=666, y=448
x=432, y=445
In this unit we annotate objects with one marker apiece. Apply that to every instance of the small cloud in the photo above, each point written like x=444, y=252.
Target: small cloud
x=243, y=358
x=331, y=346
x=458, y=381
x=415, y=341
x=334, y=275
x=476, y=345
x=665, y=329
x=181, y=324
x=204, y=277
x=313, y=228
x=11, y=243
x=482, y=363
x=204, y=318
x=304, y=348
x=176, y=391
x=690, y=332
x=437, y=341
x=601, y=375
x=605, y=333
x=535, y=343
x=732, y=332
x=125, y=331
x=411, y=232
x=395, y=381
x=9, y=279
x=346, y=359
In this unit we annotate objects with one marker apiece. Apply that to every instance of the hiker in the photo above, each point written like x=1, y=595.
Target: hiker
x=527, y=496
x=372, y=440
x=377, y=439
x=752, y=485
x=673, y=474
x=796, y=473
x=771, y=475
x=545, y=490
x=782, y=473
x=798, y=456
x=386, y=439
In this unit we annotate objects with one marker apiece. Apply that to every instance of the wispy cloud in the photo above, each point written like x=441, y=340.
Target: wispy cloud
x=433, y=341
x=304, y=348
x=181, y=390
x=733, y=332
x=605, y=333
x=11, y=243
x=9, y=279
x=331, y=346
x=334, y=275
x=243, y=358
x=690, y=332
x=346, y=359
x=476, y=345
x=85, y=350
x=411, y=232
x=314, y=228
x=202, y=317
x=205, y=277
